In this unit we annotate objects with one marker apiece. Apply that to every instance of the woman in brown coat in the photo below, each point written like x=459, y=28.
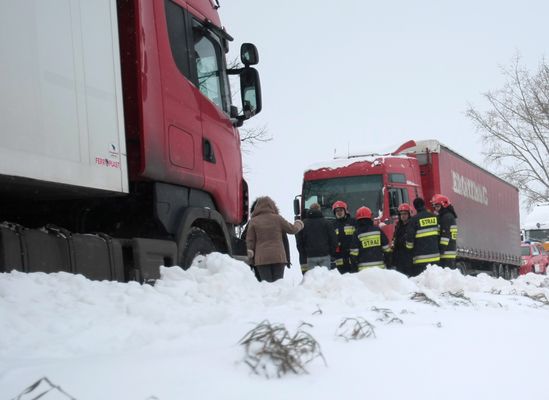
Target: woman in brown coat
x=264, y=239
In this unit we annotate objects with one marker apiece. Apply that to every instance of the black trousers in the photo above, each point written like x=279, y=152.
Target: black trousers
x=415, y=270
x=348, y=266
x=270, y=272
x=447, y=262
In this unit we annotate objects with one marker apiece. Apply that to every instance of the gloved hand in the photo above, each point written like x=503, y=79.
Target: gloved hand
x=299, y=224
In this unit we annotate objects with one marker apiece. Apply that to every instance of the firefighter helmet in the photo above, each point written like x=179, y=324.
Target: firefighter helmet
x=363, y=212
x=440, y=199
x=339, y=204
x=405, y=207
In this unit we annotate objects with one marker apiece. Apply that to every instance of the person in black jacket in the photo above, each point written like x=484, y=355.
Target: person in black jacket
x=317, y=240
x=402, y=256
x=344, y=227
x=448, y=230
x=369, y=243
x=422, y=238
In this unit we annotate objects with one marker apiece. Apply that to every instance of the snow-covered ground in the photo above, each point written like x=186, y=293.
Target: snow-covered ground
x=484, y=338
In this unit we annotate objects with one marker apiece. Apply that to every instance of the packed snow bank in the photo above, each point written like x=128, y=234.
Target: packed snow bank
x=184, y=330
x=62, y=314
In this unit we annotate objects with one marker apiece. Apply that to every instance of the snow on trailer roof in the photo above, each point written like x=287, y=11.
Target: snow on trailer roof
x=372, y=154
x=404, y=150
x=538, y=218
x=341, y=161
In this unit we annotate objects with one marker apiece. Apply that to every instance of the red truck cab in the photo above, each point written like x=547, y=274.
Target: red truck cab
x=381, y=183
x=534, y=258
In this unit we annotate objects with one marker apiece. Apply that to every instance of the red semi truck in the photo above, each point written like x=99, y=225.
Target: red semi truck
x=487, y=206
x=119, y=146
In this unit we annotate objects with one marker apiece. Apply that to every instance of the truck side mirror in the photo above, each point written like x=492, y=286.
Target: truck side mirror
x=297, y=208
x=250, y=91
x=248, y=54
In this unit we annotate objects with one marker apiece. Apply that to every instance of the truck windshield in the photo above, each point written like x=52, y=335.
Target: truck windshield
x=356, y=191
x=539, y=235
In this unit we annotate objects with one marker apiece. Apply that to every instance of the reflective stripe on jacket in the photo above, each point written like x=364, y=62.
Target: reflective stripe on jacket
x=448, y=234
x=422, y=237
x=369, y=244
x=344, y=229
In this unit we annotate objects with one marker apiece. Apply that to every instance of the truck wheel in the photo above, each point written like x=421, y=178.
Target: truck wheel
x=462, y=267
x=198, y=243
x=501, y=271
x=506, y=272
x=514, y=272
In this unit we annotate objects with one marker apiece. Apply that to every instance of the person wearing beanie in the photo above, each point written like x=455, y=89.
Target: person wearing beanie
x=419, y=203
x=422, y=238
x=317, y=240
x=402, y=256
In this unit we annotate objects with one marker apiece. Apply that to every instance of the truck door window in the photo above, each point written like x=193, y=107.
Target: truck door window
x=397, y=196
x=208, y=61
x=175, y=20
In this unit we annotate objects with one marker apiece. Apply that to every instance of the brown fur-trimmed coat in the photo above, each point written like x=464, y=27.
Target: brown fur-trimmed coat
x=265, y=230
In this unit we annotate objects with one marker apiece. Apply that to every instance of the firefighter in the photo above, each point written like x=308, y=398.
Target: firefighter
x=422, y=238
x=402, y=256
x=344, y=227
x=370, y=244
x=448, y=229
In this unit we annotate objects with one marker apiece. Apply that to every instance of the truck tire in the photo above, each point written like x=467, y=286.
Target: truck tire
x=501, y=271
x=198, y=243
x=514, y=272
x=462, y=267
x=506, y=272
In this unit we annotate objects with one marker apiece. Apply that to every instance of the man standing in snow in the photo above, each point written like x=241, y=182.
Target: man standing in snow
x=448, y=229
x=317, y=240
x=369, y=242
x=402, y=256
x=422, y=238
x=344, y=227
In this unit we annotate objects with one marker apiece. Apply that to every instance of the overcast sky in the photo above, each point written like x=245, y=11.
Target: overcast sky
x=363, y=74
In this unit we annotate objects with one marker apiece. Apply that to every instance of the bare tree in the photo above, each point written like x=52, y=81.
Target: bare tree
x=515, y=129
x=250, y=137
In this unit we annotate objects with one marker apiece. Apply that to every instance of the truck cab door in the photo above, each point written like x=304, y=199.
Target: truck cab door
x=220, y=147
x=182, y=100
